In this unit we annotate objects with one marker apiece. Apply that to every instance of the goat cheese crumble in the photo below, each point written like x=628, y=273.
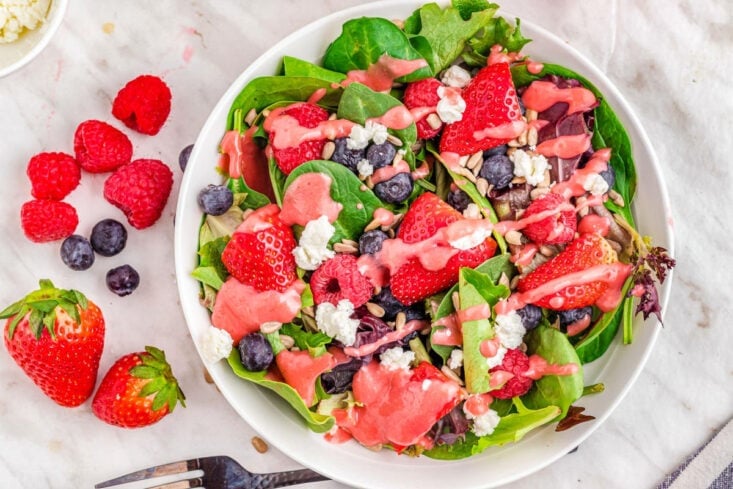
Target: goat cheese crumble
x=336, y=321
x=312, y=249
x=455, y=76
x=397, y=358
x=509, y=329
x=360, y=136
x=496, y=360
x=451, y=106
x=485, y=423
x=595, y=184
x=216, y=344
x=531, y=167
x=365, y=168
x=456, y=358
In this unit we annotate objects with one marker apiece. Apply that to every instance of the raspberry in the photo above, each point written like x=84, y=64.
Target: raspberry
x=558, y=228
x=339, y=278
x=100, y=147
x=140, y=189
x=53, y=175
x=307, y=115
x=517, y=363
x=48, y=220
x=143, y=104
x=423, y=93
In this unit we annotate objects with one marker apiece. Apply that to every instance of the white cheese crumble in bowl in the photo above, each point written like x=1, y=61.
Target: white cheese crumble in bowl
x=26, y=28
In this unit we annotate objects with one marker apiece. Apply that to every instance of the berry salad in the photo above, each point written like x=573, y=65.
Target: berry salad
x=420, y=241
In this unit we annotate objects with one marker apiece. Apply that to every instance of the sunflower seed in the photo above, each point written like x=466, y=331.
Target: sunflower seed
x=513, y=237
x=451, y=374
x=400, y=320
x=474, y=160
x=455, y=298
x=394, y=140
x=616, y=198
x=538, y=192
x=250, y=117
x=287, y=341
x=375, y=309
x=328, y=150
x=531, y=115
x=532, y=136
x=482, y=185
x=345, y=248
x=259, y=444
x=434, y=121
x=270, y=327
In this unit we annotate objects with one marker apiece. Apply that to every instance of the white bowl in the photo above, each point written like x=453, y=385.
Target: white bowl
x=351, y=463
x=16, y=54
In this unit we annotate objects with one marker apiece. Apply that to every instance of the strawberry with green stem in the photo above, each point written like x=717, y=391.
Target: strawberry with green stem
x=56, y=336
x=138, y=390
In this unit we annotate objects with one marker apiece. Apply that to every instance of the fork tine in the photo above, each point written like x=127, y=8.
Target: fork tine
x=197, y=482
x=151, y=472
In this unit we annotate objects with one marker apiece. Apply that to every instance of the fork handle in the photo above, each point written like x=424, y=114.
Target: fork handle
x=287, y=478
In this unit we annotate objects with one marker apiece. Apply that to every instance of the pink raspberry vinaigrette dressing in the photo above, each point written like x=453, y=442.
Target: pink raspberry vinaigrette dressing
x=381, y=75
x=308, y=198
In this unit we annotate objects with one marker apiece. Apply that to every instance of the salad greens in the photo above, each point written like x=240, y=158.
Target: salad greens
x=463, y=34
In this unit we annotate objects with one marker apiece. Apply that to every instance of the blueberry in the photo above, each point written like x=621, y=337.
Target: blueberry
x=522, y=108
x=77, y=252
x=498, y=170
x=496, y=150
x=573, y=315
x=609, y=176
x=395, y=190
x=215, y=200
x=108, y=237
x=380, y=155
x=347, y=157
x=123, y=280
x=530, y=315
x=183, y=156
x=256, y=352
x=458, y=199
x=371, y=241
x=389, y=303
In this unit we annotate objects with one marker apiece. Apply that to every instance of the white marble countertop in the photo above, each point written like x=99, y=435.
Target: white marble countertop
x=670, y=59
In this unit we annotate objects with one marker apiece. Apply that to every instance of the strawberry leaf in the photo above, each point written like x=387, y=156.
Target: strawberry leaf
x=152, y=387
x=144, y=372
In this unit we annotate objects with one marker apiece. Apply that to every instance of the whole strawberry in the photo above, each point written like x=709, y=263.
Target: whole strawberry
x=140, y=189
x=56, y=336
x=53, y=175
x=143, y=104
x=101, y=148
x=491, y=101
x=48, y=220
x=138, y=390
x=260, y=253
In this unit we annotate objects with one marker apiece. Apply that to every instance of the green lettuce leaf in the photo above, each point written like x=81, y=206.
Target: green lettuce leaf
x=498, y=31
x=298, y=67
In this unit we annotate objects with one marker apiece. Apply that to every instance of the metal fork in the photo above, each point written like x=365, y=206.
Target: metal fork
x=220, y=472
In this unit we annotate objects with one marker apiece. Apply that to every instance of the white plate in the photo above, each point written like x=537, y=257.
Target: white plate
x=351, y=463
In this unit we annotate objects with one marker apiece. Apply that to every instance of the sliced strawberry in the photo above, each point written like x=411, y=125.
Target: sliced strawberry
x=260, y=253
x=423, y=93
x=307, y=115
x=584, y=252
x=491, y=101
x=558, y=228
x=412, y=282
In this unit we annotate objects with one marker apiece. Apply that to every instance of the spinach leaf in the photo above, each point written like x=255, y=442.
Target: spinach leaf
x=498, y=31
x=264, y=91
x=553, y=390
x=440, y=35
x=489, y=289
x=277, y=177
x=363, y=41
x=298, y=67
x=360, y=103
x=608, y=132
x=211, y=271
x=315, y=343
x=247, y=197
x=470, y=188
x=468, y=7
x=595, y=343
x=346, y=188
x=511, y=428
x=474, y=332
x=319, y=423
